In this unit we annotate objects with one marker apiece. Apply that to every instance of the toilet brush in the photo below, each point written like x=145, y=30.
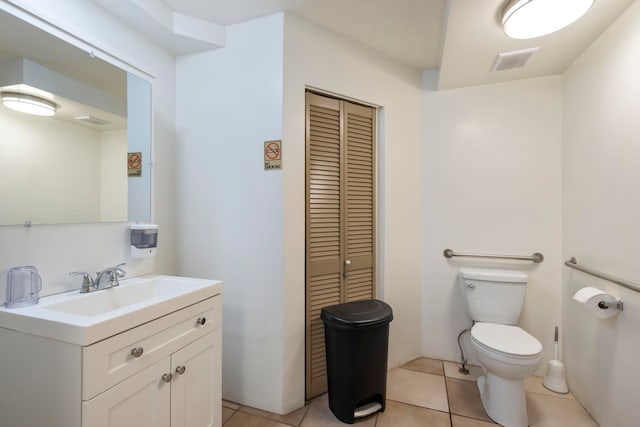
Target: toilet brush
x=554, y=380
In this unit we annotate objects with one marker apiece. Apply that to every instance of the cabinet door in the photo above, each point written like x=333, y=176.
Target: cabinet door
x=196, y=393
x=142, y=400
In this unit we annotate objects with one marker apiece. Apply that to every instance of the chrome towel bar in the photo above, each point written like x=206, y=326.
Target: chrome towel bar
x=573, y=263
x=537, y=257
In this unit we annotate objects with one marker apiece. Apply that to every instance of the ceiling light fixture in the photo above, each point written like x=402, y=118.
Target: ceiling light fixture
x=527, y=19
x=28, y=104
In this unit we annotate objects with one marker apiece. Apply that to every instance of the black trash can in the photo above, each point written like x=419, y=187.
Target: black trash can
x=356, y=336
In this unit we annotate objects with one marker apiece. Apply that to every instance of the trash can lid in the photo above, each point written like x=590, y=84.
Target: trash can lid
x=357, y=314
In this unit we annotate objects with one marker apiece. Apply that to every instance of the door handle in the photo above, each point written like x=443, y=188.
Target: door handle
x=347, y=263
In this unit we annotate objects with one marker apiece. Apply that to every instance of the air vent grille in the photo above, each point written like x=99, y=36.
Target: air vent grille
x=514, y=59
x=93, y=120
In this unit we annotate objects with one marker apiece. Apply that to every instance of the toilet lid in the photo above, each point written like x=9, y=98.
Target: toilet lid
x=506, y=339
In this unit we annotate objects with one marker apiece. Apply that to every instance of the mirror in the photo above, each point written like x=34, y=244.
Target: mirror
x=88, y=163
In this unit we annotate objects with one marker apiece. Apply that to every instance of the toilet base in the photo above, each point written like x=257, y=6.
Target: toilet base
x=504, y=400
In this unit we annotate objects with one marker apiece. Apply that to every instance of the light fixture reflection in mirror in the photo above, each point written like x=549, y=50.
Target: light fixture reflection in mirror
x=28, y=104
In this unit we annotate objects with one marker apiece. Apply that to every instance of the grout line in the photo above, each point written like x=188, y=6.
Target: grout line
x=234, y=412
x=230, y=402
x=446, y=390
x=461, y=415
x=553, y=395
x=475, y=419
x=422, y=372
x=418, y=406
x=308, y=405
x=264, y=415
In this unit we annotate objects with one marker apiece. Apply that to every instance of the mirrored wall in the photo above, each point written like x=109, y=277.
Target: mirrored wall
x=85, y=156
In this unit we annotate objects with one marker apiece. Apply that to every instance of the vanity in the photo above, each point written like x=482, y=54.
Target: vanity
x=147, y=352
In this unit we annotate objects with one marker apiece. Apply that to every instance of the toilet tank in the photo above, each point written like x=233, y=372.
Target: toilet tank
x=494, y=296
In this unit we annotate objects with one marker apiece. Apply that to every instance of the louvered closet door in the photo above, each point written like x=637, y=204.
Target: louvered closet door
x=324, y=230
x=359, y=201
x=340, y=220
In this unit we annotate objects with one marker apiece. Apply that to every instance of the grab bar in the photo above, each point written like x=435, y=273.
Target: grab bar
x=573, y=263
x=537, y=257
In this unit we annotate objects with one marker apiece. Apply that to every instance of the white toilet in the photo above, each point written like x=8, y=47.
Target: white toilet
x=494, y=299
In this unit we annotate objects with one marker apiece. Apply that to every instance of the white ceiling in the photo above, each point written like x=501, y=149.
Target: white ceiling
x=474, y=37
x=407, y=30
x=460, y=37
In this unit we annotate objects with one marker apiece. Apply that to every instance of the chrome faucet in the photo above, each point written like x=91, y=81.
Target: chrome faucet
x=113, y=274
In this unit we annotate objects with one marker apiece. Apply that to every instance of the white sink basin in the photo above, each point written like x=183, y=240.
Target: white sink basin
x=98, y=303
x=86, y=318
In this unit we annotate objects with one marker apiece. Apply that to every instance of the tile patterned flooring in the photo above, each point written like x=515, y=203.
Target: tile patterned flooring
x=424, y=392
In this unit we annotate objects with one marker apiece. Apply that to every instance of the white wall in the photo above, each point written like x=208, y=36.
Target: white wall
x=229, y=101
x=113, y=175
x=601, y=227
x=492, y=173
x=321, y=59
x=47, y=170
x=58, y=249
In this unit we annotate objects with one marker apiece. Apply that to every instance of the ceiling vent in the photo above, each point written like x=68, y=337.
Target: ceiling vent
x=93, y=120
x=511, y=60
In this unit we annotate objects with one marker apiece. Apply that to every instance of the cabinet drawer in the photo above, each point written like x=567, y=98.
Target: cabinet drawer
x=111, y=361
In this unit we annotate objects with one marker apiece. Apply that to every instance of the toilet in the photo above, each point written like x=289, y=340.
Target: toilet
x=508, y=354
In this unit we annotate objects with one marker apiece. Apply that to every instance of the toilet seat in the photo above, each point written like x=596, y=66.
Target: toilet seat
x=506, y=341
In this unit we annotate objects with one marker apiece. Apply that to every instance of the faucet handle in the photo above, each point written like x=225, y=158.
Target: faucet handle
x=87, y=280
x=84, y=274
x=120, y=273
x=117, y=273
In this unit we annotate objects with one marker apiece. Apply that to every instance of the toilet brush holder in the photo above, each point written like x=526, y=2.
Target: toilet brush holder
x=555, y=380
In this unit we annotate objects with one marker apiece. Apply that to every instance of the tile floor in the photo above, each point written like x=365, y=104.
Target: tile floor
x=424, y=392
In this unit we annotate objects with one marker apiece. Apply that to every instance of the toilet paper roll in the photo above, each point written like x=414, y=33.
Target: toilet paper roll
x=590, y=298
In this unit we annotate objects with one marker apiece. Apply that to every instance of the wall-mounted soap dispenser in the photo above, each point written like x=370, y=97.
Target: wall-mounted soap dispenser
x=144, y=240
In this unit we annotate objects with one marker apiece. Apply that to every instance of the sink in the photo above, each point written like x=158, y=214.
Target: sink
x=87, y=318
x=101, y=302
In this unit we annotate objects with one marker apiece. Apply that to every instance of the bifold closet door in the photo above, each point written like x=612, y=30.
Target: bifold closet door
x=359, y=202
x=340, y=217
x=323, y=229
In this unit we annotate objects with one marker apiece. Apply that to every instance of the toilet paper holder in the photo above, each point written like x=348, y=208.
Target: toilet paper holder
x=611, y=304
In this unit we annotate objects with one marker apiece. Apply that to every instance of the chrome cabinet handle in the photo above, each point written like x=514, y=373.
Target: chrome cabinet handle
x=167, y=377
x=137, y=352
x=470, y=285
x=201, y=321
x=180, y=370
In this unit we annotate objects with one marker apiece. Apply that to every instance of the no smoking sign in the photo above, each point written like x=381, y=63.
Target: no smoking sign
x=272, y=155
x=134, y=164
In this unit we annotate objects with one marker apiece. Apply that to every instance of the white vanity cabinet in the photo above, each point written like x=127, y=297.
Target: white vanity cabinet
x=162, y=373
x=179, y=391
